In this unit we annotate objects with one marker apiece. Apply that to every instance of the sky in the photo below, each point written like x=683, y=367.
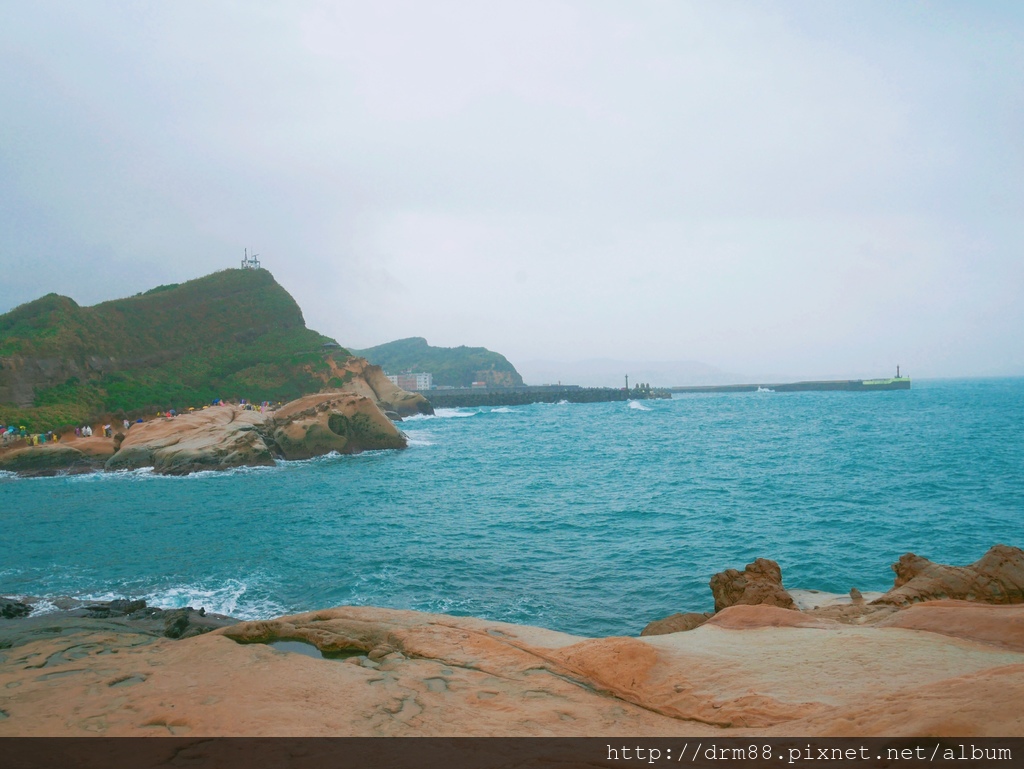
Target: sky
x=801, y=189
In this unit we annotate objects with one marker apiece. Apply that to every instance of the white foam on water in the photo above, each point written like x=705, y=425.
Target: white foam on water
x=502, y=410
x=418, y=438
x=638, y=406
x=441, y=414
x=765, y=390
x=454, y=414
x=330, y=456
x=227, y=597
x=40, y=606
x=140, y=474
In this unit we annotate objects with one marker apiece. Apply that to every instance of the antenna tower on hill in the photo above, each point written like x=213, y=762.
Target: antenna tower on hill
x=250, y=262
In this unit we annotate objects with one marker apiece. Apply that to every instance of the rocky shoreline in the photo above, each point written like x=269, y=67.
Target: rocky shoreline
x=940, y=654
x=359, y=417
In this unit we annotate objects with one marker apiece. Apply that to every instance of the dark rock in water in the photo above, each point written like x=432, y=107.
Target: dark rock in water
x=997, y=577
x=119, y=607
x=10, y=609
x=759, y=583
x=187, y=622
x=126, y=606
x=121, y=615
x=48, y=459
x=677, y=623
x=394, y=416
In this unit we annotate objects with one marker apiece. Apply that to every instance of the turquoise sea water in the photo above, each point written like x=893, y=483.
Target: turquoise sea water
x=591, y=518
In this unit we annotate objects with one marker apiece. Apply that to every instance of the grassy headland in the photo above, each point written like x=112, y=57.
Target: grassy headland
x=451, y=366
x=233, y=334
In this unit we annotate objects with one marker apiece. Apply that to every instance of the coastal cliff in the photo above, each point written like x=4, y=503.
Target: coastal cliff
x=936, y=668
x=234, y=334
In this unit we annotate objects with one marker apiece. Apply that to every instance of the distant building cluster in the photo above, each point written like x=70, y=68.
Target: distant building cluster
x=413, y=382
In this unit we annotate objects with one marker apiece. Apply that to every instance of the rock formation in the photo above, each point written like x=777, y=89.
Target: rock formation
x=340, y=421
x=9, y=608
x=118, y=616
x=363, y=378
x=677, y=623
x=47, y=459
x=216, y=438
x=759, y=583
x=757, y=671
x=222, y=437
x=997, y=577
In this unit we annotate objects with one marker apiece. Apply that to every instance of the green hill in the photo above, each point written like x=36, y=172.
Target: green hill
x=233, y=334
x=451, y=366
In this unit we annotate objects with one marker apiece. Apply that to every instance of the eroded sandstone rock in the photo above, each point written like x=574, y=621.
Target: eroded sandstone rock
x=361, y=377
x=216, y=438
x=677, y=623
x=996, y=578
x=47, y=459
x=759, y=583
x=335, y=421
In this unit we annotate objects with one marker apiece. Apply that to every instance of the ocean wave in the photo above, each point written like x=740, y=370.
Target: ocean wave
x=638, y=406
x=521, y=609
x=39, y=605
x=234, y=597
x=441, y=414
x=502, y=410
x=418, y=438
x=143, y=474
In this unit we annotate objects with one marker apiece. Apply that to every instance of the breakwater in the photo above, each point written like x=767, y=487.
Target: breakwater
x=526, y=394
x=855, y=385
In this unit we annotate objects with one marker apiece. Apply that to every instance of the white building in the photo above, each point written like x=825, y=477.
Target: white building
x=413, y=382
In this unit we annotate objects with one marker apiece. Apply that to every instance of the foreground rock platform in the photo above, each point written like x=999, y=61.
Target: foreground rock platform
x=942, y=668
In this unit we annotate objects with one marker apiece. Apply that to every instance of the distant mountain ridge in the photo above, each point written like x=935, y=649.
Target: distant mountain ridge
x=233, y=334
x=450, y=366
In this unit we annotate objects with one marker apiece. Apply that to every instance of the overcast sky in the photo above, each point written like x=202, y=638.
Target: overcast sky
x=809, y=188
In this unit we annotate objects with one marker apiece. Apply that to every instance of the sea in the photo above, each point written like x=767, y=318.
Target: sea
x=592, y=519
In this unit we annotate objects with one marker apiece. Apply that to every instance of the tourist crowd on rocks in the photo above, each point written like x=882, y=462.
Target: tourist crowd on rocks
x=12, y=433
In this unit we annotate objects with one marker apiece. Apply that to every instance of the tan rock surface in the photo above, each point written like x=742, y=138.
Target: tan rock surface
x=431, y=675
x=759, y=583
x=46, y=459
x=1001, y=626
x=96, y=446
x=216, y=438
x=368, y=380
x=676, y=623
x=996, y=577
x=335, y=421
